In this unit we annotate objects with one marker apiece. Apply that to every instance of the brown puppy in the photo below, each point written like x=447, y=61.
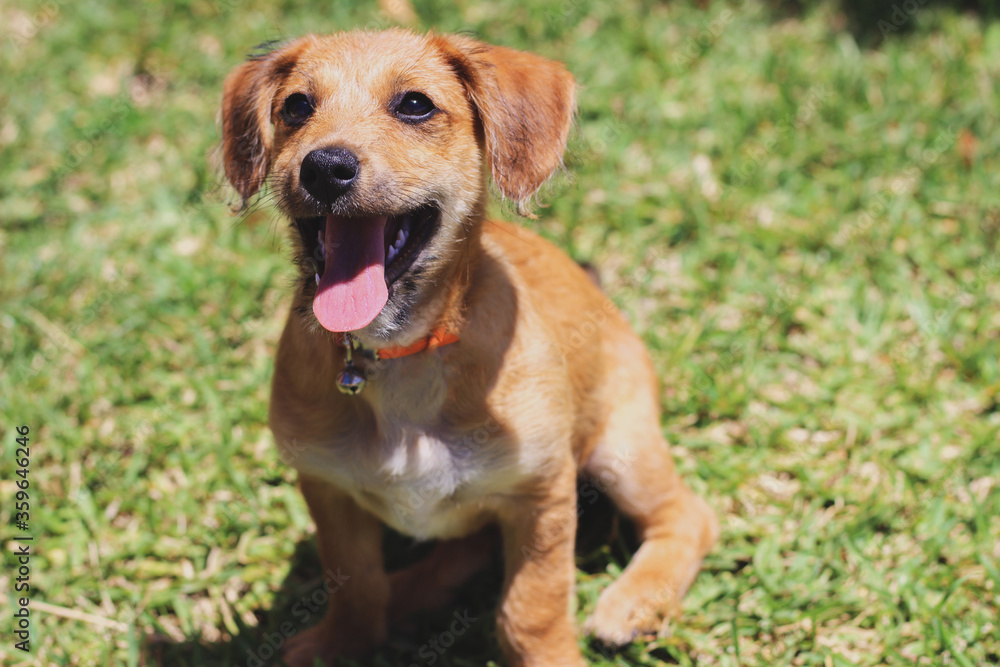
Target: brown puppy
x=375, y=144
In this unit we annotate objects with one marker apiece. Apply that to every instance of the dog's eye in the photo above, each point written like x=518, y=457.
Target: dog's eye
x=415, y=107
x=297, y=108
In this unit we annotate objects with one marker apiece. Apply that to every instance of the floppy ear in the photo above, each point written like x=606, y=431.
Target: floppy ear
x=525, y=104
x=246, y=121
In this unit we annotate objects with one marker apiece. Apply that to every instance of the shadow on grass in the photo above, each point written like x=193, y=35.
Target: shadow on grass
x=603, y=536
x=871, y=22
x=301, y=601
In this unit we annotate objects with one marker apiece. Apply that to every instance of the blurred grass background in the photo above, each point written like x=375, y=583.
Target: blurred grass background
x=797, y=206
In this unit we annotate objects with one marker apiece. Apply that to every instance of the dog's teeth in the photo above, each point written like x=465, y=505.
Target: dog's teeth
x=400, y=238
x=317, y=279
x=319, y=238
x=392, y=254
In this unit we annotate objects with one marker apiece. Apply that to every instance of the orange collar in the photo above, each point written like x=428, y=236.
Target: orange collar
x=438, y=338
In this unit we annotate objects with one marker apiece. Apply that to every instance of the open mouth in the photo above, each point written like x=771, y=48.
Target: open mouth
x=358, y=259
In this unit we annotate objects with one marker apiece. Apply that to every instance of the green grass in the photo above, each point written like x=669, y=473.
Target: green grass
x=805, y=233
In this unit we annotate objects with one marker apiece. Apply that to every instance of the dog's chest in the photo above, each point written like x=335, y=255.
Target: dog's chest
x=421, y=484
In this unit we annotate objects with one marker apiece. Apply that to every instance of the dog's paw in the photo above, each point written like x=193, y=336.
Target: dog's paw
x=329, y=640
x=625, y=612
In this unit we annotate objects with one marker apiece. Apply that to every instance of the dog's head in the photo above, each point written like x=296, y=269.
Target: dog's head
x=373, y=143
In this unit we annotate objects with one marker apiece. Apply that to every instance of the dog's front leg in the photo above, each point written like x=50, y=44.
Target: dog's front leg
x=535, y=621
x=350, y=546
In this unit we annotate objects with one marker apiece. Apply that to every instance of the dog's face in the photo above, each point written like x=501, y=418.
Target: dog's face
x=374, y=145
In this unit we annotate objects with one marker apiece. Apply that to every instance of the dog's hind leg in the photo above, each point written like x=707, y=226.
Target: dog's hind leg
x=633, y=465
x=430, y=583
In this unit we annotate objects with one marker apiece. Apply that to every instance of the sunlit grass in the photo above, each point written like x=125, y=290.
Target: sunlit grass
x=804, y=232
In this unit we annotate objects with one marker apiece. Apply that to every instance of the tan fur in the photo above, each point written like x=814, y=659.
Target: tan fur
x=547, y=382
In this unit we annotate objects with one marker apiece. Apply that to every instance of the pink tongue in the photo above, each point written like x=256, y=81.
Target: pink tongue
x=352, y=290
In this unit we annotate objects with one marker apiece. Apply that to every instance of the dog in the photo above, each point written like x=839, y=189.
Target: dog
x=445, y=375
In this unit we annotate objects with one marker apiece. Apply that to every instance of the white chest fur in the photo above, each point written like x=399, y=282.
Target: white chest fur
x=421, y=484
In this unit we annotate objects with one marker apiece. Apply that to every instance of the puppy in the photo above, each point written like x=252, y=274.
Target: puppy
x=440, y=373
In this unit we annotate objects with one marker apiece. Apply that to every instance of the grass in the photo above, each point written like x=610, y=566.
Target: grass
x=805, y=232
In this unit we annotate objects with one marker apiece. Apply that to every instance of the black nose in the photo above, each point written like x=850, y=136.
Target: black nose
x=327, y=173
